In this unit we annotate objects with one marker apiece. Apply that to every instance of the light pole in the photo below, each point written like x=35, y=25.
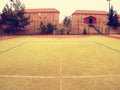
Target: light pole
x=109, y=4
x=11, y=4
x=78, y=27
x=34, y=26
x=109, y=12
x=40, y=23
x=99, y=25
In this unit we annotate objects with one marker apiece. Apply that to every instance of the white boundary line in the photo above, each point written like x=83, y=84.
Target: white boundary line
x=60, y=76
x=56, y=77
x=60, y=72
x=28, y=76
x=90, y=76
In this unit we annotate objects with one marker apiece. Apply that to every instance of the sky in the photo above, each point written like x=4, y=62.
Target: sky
x=67, y=7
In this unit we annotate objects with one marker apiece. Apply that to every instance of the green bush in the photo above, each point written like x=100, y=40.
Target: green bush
x=62, y=31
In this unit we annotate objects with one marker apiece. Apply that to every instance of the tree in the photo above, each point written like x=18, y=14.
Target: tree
x=1, y=28
x=110, y=16
x=62, y=31
x=50, y=28
x=47, y=29
x=14, y=18
x=115, y=20
x=41, y=25
x=55, y=29
x=43, y=28
x=67, y=22
x=8, y=18
x=20, y=12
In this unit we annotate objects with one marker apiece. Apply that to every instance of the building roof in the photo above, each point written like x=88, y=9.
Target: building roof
x=90, y=12
x=90, y=17
x=42, y=10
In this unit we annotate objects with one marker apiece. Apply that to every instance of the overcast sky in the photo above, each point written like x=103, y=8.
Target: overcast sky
x=67, y=7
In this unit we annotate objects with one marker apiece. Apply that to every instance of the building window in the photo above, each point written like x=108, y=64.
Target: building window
x=53, y=21
x=45, y=17
x=81, y=20
x=45, y=22
x=99, y=20
x=29, y=14
x=39, y=14
x=51, y=17
x=45, y=14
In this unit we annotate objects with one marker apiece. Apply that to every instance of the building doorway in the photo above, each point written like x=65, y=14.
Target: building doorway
x=90, y=20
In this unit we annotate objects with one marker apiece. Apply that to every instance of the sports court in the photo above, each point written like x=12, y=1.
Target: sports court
x=60, y=63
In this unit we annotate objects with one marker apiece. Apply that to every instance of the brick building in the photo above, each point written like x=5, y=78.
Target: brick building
x=119, y=17
x=93, y=21
x=45, y=15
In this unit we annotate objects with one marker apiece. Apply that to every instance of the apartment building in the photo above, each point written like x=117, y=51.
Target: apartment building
x=92, y=20
x=44, y=15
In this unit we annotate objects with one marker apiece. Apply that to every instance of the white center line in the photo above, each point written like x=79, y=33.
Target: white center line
x=57, y=77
